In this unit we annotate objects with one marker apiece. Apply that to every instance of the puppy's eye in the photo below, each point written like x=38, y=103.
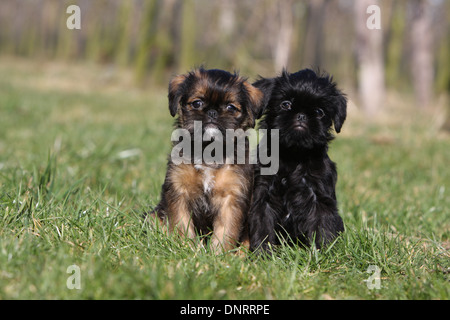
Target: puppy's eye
x=319, y=113
x=286, y=105
x=232, y=108
x=197, y=104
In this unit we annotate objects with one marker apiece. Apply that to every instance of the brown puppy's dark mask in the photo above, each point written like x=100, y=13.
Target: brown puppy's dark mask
x=216, y=96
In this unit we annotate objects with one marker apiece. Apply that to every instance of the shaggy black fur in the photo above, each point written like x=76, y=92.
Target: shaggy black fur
x=299, y=202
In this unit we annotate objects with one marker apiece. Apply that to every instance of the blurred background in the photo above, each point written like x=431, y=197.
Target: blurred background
x=156, y=39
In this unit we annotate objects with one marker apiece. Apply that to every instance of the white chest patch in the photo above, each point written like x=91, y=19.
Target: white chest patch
x=208, y=177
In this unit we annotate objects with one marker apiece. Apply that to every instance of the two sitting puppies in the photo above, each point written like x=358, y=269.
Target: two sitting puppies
x=231, y=199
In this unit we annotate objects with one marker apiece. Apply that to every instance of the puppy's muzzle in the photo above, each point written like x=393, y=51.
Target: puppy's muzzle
x=301, y=121
x=301, y=117
x=213, y=114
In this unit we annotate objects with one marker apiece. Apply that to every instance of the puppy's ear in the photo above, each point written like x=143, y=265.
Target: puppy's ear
x=175, y=93
x=256, y=99
x=336, y=99
x=340, y=111
x=265, y=85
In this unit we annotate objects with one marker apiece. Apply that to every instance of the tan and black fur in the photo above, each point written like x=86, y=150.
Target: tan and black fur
x=198, y=198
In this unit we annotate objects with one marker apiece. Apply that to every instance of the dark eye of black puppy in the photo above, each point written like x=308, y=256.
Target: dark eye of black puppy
x=286, y=105
x=319, y=113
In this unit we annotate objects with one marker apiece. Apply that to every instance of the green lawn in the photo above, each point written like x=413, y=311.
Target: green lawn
x=83, y=154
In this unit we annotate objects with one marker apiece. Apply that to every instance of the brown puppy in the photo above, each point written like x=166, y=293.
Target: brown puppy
x=200, y=195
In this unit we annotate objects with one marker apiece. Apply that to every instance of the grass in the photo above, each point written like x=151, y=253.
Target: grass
x=83, y=154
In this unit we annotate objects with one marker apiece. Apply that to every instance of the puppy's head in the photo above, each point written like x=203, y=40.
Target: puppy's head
x=219, y=99
x=303, y=106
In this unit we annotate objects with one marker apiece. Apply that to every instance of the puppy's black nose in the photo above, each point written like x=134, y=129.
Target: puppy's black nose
x=301, y=117
x=212, y=114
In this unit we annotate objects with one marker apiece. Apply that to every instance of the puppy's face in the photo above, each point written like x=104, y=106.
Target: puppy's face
x=303, y=106
x=219, y=99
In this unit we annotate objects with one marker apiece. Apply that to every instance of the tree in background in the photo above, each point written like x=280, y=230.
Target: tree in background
x=421, y=37
x=369, y=52
x=285, y=27
x=314, y=38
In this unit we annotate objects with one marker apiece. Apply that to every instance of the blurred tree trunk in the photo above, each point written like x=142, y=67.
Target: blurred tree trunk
x=421, y=51
x=188, y=35
x=312, y=54
x=369, y=51
x=124, y=20
x=443, y=59
x=394, y=42
x=164, y=41
x=146, y=40
x=283, y=41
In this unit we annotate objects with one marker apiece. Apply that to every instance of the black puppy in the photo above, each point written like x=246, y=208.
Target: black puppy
x=298, y=202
